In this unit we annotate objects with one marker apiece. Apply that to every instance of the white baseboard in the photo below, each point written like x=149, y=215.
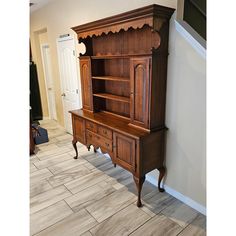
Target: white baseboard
x=188, y=201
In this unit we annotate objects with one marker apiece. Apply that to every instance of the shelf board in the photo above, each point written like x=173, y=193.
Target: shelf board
x=112, y=78
x=112, y=97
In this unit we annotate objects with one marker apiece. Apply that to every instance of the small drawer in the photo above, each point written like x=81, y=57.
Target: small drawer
x=91, y=126
x=107, y=133
x=104, y=143
x=98, y=140
x=90, y=136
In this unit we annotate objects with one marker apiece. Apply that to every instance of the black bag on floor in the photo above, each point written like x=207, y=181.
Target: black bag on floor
x=40, y=134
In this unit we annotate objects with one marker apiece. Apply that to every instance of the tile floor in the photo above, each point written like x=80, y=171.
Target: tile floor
x=88, y=196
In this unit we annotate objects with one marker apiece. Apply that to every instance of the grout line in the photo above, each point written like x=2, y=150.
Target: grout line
x=183, y=228
x=68, y=189
x=91, y=216
x=49, y=170
x=141, y=225
x=68, y=205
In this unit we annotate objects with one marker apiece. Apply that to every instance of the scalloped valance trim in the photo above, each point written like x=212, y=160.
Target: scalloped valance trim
x=136, y=24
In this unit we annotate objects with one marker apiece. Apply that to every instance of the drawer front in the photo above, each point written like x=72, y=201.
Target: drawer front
x=98, y=140
x=107, y=133
x=91, y=126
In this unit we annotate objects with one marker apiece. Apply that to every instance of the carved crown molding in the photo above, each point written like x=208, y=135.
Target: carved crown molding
x=154, y=16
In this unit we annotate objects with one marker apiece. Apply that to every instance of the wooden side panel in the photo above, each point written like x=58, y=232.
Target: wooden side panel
x=78, y=129
x=86, y=83
x=140, y=79
x=124, y=151
x=152, y=151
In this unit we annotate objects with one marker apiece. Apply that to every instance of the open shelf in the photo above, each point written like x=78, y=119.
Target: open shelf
x=112, y=78
x=112, y=97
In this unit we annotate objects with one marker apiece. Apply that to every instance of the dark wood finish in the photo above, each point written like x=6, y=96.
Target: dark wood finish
x=107, y=133
x=139, y=92
x=161, y=175
x=123, y=78
x=139, y=183
x=112, y=97
x=124, y=151
x=112, y=78
x=79, y=129
x=85, y=72
x=74, y=141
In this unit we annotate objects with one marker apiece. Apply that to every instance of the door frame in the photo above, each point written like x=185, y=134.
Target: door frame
x=58, y=40
x=42, y=48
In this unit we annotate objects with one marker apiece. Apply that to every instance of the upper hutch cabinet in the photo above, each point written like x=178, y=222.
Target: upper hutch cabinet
x=123, y=79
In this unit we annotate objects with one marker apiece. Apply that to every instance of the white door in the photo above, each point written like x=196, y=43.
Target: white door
x=46, y=60
x=70, y=91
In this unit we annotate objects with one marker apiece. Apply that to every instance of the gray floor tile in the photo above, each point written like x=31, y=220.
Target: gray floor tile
x=122, y=223
x=48, y=216
x=158, y=226
x=110, y=204
x=89, y=196
x=180, y=213
x=75, y=224
x=48, y=198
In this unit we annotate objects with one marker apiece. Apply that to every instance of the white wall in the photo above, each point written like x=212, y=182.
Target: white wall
x=186, y=90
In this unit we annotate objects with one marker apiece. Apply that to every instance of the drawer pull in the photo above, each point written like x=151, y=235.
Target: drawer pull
x=104, y=131
x=107, y=144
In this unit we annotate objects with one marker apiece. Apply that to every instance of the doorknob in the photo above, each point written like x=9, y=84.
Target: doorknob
x=63, y=94
x=50, y=89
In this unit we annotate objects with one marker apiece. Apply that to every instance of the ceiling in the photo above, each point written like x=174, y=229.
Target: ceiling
x=37, y=4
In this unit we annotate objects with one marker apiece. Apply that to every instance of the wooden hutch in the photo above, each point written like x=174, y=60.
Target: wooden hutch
x=123, y=79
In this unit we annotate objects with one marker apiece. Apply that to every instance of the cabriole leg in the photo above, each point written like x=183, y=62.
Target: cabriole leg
x=139, y=183
x=74, y=141
x=162, y=171
x=94, y=149
x=88, y=147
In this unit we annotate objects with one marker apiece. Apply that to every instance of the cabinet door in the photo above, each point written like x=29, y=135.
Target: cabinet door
x=124, y=151
x=78, y=129
x=140, y=80
x=86, y=84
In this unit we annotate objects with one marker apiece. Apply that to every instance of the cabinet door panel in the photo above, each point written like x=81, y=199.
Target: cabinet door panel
x=140, y=76
x=85, y=72
x=124, y=151
x=79, y=129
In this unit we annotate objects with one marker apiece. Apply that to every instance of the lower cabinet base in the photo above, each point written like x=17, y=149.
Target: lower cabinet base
x=138, y=180
x=135, y=150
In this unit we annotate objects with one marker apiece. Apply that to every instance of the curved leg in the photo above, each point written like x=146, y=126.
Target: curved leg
x=88, y=147
x=162, y=171
x=74, y=141
x=94, y=149
x=139, y=183
x=115, y=165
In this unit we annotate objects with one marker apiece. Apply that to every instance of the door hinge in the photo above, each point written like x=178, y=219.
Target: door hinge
x=74, y=52
x=77, y=91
